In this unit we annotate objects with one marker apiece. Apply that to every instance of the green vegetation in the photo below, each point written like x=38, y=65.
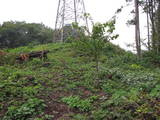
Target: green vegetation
x=84, y=78
x=15, y=34
x=94, y=44
x=32, y=107
x=66, y=87
x=76, y=102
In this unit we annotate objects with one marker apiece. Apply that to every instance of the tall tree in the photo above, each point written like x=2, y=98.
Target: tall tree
x=148, y=25
x=137, y=29
x=152, y=9
x=158, y=26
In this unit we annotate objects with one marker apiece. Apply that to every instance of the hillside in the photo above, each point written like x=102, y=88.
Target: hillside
x=66, y=86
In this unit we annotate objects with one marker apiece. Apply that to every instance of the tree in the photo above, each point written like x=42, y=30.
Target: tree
x=137, y=29
x=94, y=44
x=136, y=22
x=152, y=10
x=15, y=34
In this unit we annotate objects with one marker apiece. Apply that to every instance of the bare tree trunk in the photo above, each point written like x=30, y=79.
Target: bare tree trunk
x=152, y=18
x=148, y=26
x=158, y=27
x=137, y=29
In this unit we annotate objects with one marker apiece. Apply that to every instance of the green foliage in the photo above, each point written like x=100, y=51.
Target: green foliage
x=93, y=98
x=128, y=89
x=156, y=91
x=118, y=98
x=136, y=67
x=76, y=102
x=137, y=78
x=99, y=114
x=15, y=34
x=143, y=109
x=8, y=58
x=111, y=50
x=150, y=59
x=120, y=59
x=93, y=45
x=45, y=117
x=30, y=108
x=79, y=117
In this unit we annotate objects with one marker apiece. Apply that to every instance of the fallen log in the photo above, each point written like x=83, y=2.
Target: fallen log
x=31, y=55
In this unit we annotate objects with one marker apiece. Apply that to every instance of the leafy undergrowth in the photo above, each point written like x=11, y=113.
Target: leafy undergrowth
x=66, y=86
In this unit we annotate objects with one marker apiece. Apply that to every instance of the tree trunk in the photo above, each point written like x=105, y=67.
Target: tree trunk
x=137, y=29
x=158, y=27
x=148, y=26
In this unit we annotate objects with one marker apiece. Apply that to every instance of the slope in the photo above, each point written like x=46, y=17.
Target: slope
x=65, y=87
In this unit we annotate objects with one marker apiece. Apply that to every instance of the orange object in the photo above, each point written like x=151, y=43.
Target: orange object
x=24, y=57
x=2, y=53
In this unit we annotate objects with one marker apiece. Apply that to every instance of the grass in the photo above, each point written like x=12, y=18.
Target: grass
x=67, y=87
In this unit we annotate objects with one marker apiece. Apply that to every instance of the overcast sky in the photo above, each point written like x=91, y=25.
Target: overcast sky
x=44, y=11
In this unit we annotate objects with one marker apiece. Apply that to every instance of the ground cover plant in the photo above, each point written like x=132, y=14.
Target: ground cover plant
x=85, y=77
x=89, y=78
x=64, y=87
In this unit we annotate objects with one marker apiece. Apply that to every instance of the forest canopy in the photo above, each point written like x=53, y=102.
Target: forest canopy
x=15, y=34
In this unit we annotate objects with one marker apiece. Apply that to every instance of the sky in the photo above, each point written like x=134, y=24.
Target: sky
x=44, y=11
